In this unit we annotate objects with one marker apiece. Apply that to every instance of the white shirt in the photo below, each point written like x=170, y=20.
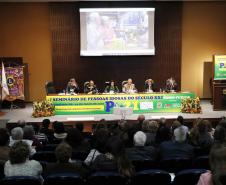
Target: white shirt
x=29, y=168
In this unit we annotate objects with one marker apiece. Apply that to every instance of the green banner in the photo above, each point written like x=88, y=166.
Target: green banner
x=104, y=104
x=219, y=67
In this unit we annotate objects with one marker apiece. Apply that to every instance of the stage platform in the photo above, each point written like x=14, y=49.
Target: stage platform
x=12, y=116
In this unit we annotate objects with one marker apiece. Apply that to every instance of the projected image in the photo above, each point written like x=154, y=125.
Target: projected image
x=111, y=32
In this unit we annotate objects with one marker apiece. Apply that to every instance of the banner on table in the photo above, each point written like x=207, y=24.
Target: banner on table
x=104, y=104
x=219, y=67
x=15, y=81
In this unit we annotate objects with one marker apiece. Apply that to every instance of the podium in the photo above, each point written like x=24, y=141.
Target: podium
x=123, y=111
x=219, y=95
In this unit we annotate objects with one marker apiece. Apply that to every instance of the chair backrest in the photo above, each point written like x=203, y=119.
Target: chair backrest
x=201, y=162
x=188, y=177
x=86, y=83
x=49, y=147
x=155, y=177
x=2, y=164
x=50, y=89
x=106, y=178
x=64, y=178
x=21, y=180
x=46, y=156
x=124, y=82
x=144, y=164
x=175, y=165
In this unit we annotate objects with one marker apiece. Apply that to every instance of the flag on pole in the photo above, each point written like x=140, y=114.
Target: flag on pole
x=5, y=89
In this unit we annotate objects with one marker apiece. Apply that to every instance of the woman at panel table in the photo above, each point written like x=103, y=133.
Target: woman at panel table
x=72, y=86
x=90, y=88
x=149, y=85
x=111, y=88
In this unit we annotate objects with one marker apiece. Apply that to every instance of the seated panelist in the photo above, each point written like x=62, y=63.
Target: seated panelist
x=111, y=88
x=171, y=84
x=90, y=88
x=149, y=85
x=72, y=86
x=129, y=87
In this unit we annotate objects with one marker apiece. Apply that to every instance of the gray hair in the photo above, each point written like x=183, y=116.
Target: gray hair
x=150, y=126
x=17, y=133
x=180, y=134
x=139, y=138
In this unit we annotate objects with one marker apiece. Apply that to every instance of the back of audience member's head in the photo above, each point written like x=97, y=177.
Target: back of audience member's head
x=101, y=124
x=116, y=147
x=220, y=134
x=74, y=137
x=28, y=132
x=58, y=127
x=150, y=126
x=45, y=123
x=21, y=123
x=162, y=121
x=19, y=152
x=180, y=134
x=4, y=137
x=217, y=160
x=79, y=126
x=141, y=118
x=63, y=153
x=180, y=119
x=17, y=133
x=139, y=138
x=202, y=127
x=36, y=128
x=175, y=125
x=222, y=123
x=100, y=138
x=123, y=125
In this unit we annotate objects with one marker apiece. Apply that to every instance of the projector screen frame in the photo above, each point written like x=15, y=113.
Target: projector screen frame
x=131, y=52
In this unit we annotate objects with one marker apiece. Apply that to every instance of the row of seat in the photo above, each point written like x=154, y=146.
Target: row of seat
x=146, y=177
x=171, y=165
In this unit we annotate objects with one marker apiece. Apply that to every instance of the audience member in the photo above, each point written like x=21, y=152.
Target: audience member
x=29, y=137
x=150, y=129
x=100, y=138
x=140, y=151
x=75, y=139
x=19, y=163
x=16, y=135
x=4, y=142
x=63, y=154
x=164, y=132
x=42, y=138
x=178, y=147
x=21, y=123
x=45, y=130
x=114, y=159
x=59, y=132
x=217, y=160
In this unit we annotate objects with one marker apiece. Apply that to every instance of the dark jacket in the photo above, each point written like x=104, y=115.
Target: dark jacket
x=141, y=153
x=64, y=168
x=172, y=149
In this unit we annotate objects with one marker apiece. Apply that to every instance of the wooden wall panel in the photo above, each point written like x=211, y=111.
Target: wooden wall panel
x=65, y=28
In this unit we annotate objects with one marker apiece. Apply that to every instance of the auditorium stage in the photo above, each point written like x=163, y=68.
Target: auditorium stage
x=11, y=116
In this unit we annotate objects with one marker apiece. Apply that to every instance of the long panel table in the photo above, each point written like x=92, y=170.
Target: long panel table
x=104, y=103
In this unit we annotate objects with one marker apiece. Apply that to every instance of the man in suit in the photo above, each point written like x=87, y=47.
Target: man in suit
x=171, y=84
x=178, y=147
x=139, y=151
x=91, y=88
x=129, y=87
